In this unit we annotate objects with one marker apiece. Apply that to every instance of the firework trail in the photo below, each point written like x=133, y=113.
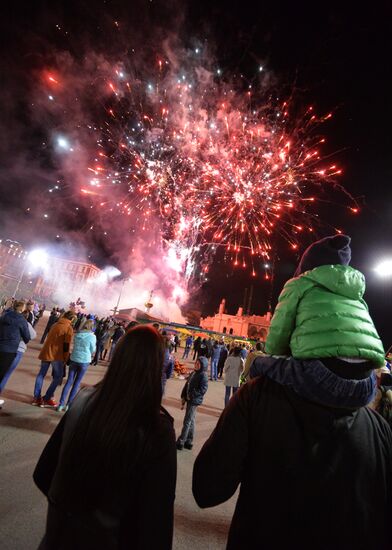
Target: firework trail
x=205, y=159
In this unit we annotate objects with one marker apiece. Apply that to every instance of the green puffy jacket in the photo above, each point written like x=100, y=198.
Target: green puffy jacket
x=322, y=313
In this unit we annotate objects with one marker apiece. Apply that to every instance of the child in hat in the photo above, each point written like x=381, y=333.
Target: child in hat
x=322, y=324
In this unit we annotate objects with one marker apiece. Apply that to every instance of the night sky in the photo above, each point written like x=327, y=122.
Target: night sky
x=336, y=57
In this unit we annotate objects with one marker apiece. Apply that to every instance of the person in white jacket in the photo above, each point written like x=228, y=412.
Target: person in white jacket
x=19, y=354
x=234, y=365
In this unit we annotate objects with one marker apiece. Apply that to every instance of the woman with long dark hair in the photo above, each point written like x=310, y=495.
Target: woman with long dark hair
x=109, y=469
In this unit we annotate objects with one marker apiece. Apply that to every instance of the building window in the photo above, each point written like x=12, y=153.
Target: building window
x=231, y=331
x=224, y=330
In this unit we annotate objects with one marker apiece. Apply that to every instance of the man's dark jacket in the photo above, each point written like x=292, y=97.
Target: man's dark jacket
x=310, y=476
x=13, y=329
x=196, y=385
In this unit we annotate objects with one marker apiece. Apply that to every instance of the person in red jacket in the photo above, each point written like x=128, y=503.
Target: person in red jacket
x=55, y=352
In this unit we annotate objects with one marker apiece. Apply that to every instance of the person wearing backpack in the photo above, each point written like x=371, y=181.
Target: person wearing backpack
x=192, y=396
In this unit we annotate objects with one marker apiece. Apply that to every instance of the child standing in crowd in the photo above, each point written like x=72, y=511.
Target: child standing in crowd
x=83, y=350
x=322, y=317
x=233, y=368
x=192, y=395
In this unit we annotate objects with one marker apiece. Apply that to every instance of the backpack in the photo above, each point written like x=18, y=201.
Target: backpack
x=384, y=406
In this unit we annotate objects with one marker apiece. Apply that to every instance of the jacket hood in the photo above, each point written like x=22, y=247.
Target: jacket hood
x=313, y=381
x=63, y=321
x=84, y=334
x=339, y=279
x=204, y=364
x=9, y=317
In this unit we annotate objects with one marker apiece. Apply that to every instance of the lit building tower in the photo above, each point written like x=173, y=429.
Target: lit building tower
x=148, y=305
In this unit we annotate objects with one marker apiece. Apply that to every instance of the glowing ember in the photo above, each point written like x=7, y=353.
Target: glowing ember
x=205, y=161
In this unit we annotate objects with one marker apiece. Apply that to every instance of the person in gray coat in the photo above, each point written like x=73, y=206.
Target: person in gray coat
x=234, y=365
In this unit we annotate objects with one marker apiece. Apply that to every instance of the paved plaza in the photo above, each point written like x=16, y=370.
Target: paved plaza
x=24, y=430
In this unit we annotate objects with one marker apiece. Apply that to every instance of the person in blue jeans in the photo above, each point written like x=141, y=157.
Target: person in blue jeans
x=55, y=352
x=215, y=355
x=188, y=346
x=85, y=343
x=19, y=354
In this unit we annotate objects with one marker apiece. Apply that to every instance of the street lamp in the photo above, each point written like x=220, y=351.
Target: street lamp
x=36, y=258
x=384, y=269
x=116, y=308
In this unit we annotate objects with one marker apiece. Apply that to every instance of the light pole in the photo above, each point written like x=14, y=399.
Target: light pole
x=384, y=272
x=37, y=258
x=116, y=308
x=148, y=305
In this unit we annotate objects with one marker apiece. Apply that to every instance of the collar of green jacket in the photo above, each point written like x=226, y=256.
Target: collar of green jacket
x=340, y=279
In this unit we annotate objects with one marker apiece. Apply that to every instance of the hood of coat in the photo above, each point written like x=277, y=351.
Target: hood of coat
x=64, y=322
x=83, y=336
x=313, y=381
x=203, y=364
x=318, y=420
x=339, y=279
x=10, y=317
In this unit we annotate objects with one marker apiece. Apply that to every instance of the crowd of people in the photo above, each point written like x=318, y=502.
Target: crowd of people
x=93, y=339
x=299, y=432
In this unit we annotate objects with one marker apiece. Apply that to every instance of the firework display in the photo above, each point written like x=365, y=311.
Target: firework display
x=207, y=160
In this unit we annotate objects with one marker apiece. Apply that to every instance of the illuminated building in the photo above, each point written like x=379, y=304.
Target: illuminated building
x=245, y=325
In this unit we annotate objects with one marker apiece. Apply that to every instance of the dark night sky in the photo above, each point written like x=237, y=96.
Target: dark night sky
x=337, y=57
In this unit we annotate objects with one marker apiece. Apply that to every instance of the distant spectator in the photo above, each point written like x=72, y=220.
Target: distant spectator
x=196, y=347
x=188, y=346
x=118, y=333
x=82, y=352
x=233, y=368
x=203, y=349
x=168, y=362
x=250, y=358
x=215, y=355
x=53, y=318
x=13, y=329
x=176, y=343
x=224, y=352
x=244, y=352
x=30, y=305
x=55, y=352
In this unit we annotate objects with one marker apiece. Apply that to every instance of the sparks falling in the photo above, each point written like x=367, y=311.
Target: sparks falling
x=213, y=162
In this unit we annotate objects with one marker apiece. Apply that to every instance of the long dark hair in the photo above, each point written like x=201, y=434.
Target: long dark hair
x=112, y=430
